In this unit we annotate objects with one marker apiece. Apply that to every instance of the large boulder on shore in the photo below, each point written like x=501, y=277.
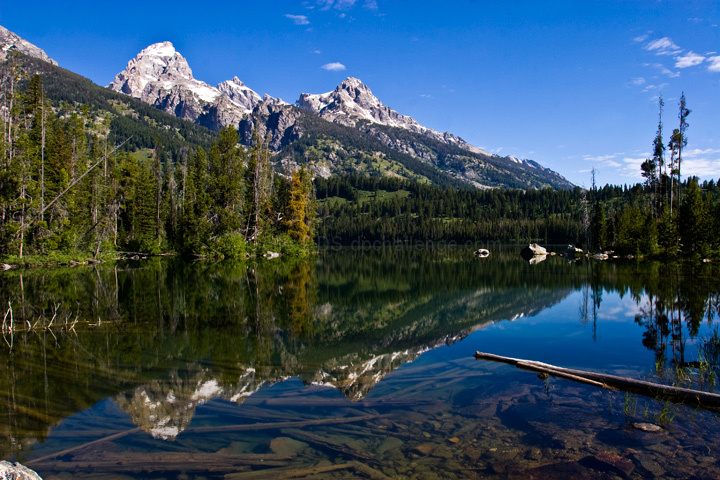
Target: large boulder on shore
x=8, y=471
x=531, y=250
x=573, y=251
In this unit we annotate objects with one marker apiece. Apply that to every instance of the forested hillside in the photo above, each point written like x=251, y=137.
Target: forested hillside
x=356, y=210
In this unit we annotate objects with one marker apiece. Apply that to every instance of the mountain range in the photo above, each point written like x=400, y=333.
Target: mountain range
x=347, y=130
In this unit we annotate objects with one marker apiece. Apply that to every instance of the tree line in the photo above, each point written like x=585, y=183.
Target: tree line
x=358, y=208
x=671, y=216
x=64, y=188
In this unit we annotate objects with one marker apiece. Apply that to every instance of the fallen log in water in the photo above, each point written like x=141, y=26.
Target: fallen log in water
x=309, y=471
x=158, y=462
x=685, y=396
x=326, y=443
x=282, y=425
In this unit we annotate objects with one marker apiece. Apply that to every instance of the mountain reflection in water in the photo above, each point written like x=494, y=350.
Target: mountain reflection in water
x=164, y=338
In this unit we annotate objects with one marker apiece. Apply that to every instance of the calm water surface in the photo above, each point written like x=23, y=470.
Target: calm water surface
x=356, y=365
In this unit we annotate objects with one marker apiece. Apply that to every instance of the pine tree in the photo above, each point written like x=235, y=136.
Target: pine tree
x=599, y=228
x=195, y=222
x=226, y=166
x=682, y=139
x=694, y=221
x=295, y=218
x=258, y=181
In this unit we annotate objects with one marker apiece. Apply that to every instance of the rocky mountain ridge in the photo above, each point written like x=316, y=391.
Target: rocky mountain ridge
x=9, y=41
x=345, y=131
x=161, y=76
x=352, y=102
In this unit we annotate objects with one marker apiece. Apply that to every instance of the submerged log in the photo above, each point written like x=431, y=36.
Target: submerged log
x=327, y=444
x=308, y=471
x=685, y=396
x=156, y=462
x=282, y=425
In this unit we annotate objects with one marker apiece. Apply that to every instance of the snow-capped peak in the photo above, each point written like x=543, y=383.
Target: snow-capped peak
x=239, y=94
x=161, y=49
x=159, y=62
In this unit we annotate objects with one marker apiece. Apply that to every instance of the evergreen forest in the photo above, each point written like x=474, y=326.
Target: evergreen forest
x=65, y=189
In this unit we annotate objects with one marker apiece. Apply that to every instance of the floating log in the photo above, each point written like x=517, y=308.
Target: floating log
x=685, y=396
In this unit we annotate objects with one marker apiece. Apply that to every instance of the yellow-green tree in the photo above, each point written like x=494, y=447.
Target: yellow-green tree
x=295, y=218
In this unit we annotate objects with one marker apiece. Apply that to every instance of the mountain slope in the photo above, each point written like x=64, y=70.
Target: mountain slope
x=352, y=102
x=379, y=150
x=122, y=117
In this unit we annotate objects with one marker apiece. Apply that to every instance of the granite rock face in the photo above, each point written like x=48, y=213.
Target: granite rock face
x=10, y=471
x=161, y=77
x=10, y=41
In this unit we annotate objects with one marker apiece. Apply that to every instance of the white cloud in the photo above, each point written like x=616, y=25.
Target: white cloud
x=689, y=60
x=337, y=4
x=426, y=95
x=333, y=67
x=696, y=163
x=630, y=167
x=714, y=64
x=655, y=88
x=701, y=167
x=318, y=52
x=638, y=81
x=696, y=152
x=662, y=69
x=345, y=4
x=641, y=38
x=298, y=19
x=663, y=46
x=601, y=161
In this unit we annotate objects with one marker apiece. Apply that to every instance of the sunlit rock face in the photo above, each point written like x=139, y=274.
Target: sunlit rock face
x=10, y=41
x=161, y=76
x=165, y=408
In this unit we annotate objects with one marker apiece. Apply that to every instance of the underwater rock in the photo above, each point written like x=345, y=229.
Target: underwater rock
x=287, y=446
x=647, y=427
x=609, y=462
x=554, y=471
x=389, y=443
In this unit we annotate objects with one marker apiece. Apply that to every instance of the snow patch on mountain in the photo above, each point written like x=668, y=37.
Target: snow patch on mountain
x=160, y=75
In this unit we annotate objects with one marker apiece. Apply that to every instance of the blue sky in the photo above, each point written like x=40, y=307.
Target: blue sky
x=570, y=84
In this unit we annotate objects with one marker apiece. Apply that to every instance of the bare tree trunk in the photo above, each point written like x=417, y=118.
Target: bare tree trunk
x=42, y=156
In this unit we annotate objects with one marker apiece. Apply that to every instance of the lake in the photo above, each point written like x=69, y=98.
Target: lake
x=357, y=364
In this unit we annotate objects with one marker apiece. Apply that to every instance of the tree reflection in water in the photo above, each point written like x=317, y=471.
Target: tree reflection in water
x=162, y=329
